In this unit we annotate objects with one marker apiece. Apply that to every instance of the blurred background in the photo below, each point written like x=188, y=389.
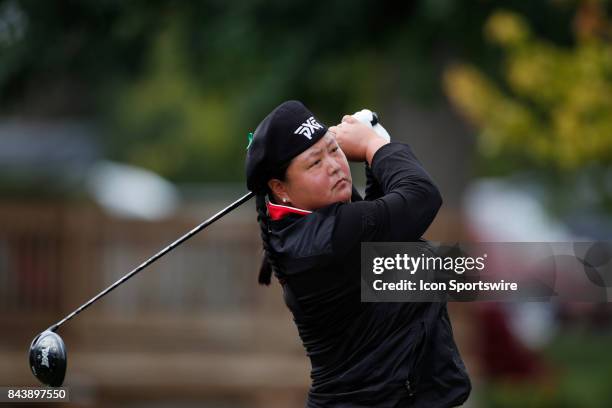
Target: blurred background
x=124, y=124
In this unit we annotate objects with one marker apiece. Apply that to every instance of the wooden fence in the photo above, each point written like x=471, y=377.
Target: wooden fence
x=194, y=326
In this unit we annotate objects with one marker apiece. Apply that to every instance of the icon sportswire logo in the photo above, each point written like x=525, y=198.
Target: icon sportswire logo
x=308, y=128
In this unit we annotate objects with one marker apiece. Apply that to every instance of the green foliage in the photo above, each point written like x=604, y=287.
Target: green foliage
x=176, y=86
x=554, y=107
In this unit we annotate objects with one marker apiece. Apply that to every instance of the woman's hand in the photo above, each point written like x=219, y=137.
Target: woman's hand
x=358, y=141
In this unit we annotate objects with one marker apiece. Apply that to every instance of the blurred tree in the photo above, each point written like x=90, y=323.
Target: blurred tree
x=552, y=108
x=176, y=86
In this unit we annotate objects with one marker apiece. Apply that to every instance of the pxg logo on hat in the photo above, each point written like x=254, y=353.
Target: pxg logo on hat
x=308, y=128
x=285, y=133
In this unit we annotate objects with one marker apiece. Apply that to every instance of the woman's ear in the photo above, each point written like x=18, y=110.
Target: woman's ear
x=279, y=190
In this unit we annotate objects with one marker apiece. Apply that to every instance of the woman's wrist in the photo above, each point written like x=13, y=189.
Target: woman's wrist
x=373, y=146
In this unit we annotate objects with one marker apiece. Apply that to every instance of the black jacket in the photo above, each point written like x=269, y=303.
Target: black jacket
x=368, y=354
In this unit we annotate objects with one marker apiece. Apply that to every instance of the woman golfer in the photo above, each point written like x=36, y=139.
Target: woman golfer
x=312, y=225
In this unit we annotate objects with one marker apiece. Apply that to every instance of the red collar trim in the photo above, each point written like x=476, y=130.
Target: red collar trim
x=277, y=211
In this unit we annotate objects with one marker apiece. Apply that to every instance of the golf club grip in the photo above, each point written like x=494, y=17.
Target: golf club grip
x=374, y=120
x=155, y=257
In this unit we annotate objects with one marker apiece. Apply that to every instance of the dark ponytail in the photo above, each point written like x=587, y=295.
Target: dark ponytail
x=268, y=264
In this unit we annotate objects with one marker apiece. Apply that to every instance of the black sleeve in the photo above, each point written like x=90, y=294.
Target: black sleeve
x=405, y=211
x=373, y=189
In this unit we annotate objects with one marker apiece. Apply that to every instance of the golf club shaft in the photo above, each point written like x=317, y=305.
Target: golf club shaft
x=155, y=257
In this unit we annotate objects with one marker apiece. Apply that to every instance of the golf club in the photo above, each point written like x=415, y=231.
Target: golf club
x=48, y=357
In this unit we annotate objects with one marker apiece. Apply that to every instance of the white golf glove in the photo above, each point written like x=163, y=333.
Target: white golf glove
x=366, y=116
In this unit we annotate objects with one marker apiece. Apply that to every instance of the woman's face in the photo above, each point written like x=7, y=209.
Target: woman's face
x=317, y=177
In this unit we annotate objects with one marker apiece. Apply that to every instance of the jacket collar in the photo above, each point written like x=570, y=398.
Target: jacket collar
x=278, y=212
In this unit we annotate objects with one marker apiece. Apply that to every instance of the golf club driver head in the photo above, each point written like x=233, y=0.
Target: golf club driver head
x=48, y=358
